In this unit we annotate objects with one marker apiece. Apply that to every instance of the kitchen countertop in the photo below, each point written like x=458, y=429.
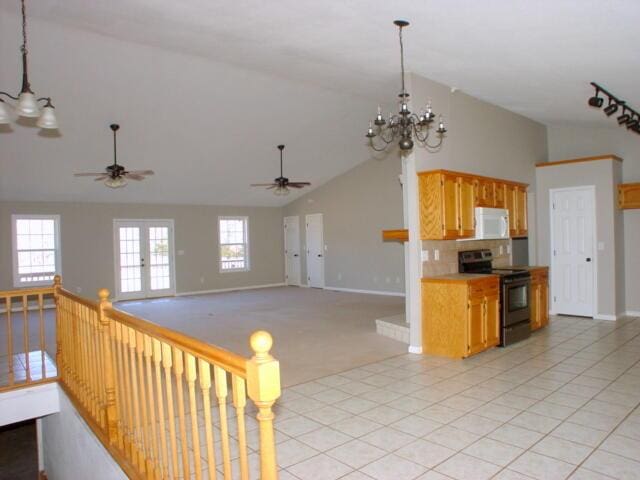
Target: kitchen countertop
x=529, y=267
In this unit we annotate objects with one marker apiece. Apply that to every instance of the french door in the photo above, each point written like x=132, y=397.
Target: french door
x=144, y=258
x=572, y=251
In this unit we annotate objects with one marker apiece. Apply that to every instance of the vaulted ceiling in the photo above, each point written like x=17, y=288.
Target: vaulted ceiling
x=205, y=90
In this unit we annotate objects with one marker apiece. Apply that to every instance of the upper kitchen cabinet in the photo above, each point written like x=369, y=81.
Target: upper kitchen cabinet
x=629, y=195
x=448, y=201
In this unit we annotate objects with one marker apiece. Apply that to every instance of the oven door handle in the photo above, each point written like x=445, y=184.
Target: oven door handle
x=517, y=283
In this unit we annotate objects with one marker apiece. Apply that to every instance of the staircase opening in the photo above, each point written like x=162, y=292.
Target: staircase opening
x=19, y=451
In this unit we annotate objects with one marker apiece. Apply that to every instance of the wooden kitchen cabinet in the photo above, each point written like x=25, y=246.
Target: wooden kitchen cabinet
x=460, y=314
x=539, y=301
x=448, y=201
x=629, y=195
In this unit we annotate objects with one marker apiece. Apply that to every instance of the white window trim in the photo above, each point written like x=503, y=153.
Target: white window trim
x=14, y=243
x=247, y=263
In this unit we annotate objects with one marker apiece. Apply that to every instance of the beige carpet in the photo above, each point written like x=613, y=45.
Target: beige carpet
x=316, y=332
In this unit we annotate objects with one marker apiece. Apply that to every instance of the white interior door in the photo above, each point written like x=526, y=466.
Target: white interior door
x=572, y=251
x=292, y=250
x=144, y=258
x=315, y=250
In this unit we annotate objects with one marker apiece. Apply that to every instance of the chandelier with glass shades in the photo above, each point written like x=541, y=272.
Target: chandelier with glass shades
x=27, y=104
x=404, y=126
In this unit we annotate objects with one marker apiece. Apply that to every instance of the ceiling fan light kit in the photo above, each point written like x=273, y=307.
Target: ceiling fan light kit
x=629, y=117
x=115, y=175
x=404, y=126
x=27, y=104
x=281, y=184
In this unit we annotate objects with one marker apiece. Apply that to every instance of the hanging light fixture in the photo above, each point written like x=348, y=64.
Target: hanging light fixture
x=27, y=103
x=405, y=126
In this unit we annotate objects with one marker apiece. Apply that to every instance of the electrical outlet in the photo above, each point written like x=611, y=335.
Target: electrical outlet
x=201, y=279
x=397, y=279
x=375, y=279
x=425, y=255
x=180, y=252
x=436, y=254
x=387, y=280
x=339, y=276
x=78, y=289
x=501, y=250
x=600, y=246
x=508, y=249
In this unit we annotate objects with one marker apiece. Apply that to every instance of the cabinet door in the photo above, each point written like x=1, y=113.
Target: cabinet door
x=449, y=206
x=510, y=205
x=535, y=306
x=629, y=195
x=500, y=195
x=486, y=193
x=544, y=302
x=521, y=211
x=475, y=326
x=467, y=205
x=492, y=320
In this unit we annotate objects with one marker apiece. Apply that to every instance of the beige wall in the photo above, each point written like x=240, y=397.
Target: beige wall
x=572, y=142
x=87, y=243
x=356, y=207
x=603, y=175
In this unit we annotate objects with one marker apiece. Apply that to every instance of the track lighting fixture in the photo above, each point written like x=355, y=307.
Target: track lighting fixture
x=629, y=117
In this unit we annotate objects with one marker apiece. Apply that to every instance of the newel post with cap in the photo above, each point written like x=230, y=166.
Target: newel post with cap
x=110, y=410
x=263, y=385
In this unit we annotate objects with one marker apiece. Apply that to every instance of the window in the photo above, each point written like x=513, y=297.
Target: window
x=234, y=243
x=36, y=249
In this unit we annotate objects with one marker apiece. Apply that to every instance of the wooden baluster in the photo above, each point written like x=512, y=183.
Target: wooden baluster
x=157, y=359
x=178, y=370
x=144, y=430
x=123, y=429
x=137, y=428
x=81, y=355
x=9, y=340
x=43, y=363
x=240, y=402
x=57, y=285
x=220, y=380
x=92, y=363
x=191, y=376
x=204, y=372
x=25, y=313
x=152, y=448
x=263, y=382
x=110, y=408
x=167, y=363
x=131, y=434
x=101, y=366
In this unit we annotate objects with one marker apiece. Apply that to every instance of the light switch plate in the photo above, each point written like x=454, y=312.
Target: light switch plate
x=436, y=254
x=600, y=246
x=425, y=255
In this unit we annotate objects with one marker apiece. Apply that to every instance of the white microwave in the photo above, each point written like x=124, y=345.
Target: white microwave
x=491, y=223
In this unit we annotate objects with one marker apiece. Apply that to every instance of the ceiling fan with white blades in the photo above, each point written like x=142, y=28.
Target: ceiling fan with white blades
x=282, y=183
x=115, y=175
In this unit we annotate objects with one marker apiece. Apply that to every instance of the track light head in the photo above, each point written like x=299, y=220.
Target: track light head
x=596, y=101
x=611, y=108
x=632, y=123
x=624, y=118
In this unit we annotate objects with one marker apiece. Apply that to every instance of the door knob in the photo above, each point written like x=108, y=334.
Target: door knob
x=588, y=259
x=319, y=255
x=296, y=255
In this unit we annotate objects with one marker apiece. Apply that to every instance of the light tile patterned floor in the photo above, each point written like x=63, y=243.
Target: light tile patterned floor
x=564, y=404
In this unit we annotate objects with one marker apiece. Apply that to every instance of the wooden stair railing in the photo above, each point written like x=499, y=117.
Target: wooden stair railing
x=165, y=405
x=24, y=360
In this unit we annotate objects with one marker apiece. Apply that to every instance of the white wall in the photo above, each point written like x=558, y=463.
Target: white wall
x=567, y=141
x=72, y=451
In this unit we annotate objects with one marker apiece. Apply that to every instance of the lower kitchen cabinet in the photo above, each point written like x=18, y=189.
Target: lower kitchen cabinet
x=539, y=301
x=460, y=314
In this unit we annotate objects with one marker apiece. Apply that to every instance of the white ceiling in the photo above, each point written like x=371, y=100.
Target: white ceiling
x=319, y=70
x=532, y=57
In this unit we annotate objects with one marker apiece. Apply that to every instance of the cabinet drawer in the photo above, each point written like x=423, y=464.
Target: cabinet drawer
x=483, y=288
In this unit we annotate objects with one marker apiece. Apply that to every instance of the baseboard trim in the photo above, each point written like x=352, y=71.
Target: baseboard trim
x=413, y=349
x=233, y=289
x=604, y=316
x=370, y=292
x=632, y=313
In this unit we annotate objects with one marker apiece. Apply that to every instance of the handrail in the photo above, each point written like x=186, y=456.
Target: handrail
x=229, y=360
x=26, y=291
x=78, y=299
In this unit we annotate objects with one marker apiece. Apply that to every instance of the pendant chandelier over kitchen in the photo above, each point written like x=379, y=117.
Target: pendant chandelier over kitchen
x=27, y=103
x=405, y=126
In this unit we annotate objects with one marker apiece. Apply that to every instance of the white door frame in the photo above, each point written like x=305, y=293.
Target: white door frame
x=293, y=219
x=116, y=262
x=306, y=231
x=594, y=256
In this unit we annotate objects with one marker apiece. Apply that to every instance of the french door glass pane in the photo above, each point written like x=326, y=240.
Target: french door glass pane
x=130, y=260
x=159, y=271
